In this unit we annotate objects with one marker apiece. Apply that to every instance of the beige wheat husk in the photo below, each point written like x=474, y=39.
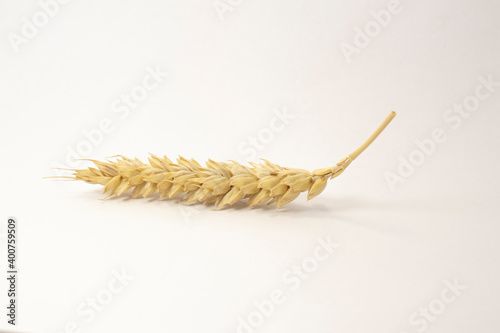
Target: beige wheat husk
x=216, y=183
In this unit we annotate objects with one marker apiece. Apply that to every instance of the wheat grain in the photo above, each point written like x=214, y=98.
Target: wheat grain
x=216, y=183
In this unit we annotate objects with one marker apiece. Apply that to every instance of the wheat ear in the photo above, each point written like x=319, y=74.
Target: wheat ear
x=217, y=183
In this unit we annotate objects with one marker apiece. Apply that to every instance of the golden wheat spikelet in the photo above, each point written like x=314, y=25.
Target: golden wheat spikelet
x=216, y=183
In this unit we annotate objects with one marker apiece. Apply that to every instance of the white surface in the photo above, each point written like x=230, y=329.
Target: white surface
x=197, y=270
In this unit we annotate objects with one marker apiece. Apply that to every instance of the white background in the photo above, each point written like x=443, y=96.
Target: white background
x=198, y=270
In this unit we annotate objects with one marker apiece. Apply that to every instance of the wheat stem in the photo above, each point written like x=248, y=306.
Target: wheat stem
x=344, y=163
x=372, y=138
